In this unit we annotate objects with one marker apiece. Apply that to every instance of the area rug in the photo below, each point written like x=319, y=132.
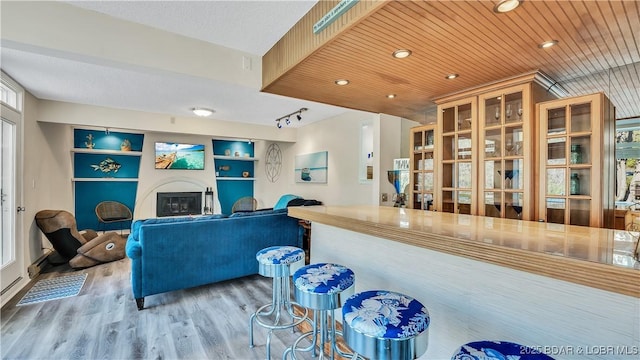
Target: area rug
x=55, y=288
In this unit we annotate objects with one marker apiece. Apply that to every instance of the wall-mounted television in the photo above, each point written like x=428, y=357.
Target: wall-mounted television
x=179, y=156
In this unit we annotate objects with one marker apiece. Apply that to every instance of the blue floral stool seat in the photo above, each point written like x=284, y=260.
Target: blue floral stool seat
x=278, y=262
x=497, y=350
x=380, y=324
x=323, y=288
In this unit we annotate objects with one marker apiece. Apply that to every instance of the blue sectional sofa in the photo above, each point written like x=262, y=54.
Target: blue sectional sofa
x=176, y=253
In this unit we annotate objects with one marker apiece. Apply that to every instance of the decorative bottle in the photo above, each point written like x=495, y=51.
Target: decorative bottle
x=574, y=186
x=576, y=154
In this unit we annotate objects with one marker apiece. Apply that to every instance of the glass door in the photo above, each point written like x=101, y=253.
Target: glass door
x=504, y=135
x=457, y=168
x=423, y=141
x=10, y=188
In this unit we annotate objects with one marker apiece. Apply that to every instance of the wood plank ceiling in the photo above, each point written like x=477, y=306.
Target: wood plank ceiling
x=598, y=50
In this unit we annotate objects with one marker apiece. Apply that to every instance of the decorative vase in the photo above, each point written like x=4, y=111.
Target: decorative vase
x=125, y=145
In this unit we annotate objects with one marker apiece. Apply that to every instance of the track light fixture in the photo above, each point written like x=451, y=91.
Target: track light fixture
x=287, y=118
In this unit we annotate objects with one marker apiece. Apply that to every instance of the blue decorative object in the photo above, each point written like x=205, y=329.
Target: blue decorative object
x=498, y=350
x=280, y=255
x=385, y=314
x=324, y=278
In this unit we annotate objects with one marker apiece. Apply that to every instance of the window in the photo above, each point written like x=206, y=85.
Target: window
x=9, y=96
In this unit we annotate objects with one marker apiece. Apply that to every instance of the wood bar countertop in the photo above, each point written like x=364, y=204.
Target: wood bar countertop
x=594, y=257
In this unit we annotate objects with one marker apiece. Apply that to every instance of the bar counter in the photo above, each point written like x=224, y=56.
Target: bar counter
x=599, y=258
x=568, y=291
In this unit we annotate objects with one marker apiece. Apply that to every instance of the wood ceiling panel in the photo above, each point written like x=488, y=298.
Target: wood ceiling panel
x=598, y=51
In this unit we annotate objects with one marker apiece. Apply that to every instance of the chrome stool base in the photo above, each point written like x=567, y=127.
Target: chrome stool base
x=279, y=314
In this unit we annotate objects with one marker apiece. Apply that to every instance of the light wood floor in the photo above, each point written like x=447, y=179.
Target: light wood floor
x=102, y=322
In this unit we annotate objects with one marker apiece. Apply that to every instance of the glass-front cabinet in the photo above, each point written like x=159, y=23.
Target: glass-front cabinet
x=505, y=154
x=422, y=167
x=577, y=167
x=456, y=168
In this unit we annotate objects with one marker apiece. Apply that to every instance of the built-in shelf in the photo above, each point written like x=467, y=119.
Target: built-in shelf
x=106, y=179
x=222, y=178
x=109, y=152
x=237, y=158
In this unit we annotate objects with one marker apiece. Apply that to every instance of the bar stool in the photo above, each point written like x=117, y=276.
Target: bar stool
x=322, y=287
x=380, y=324
x=277, y=262
x=486, y=350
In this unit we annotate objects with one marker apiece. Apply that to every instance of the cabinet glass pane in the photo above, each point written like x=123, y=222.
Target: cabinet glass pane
x=581, y=117
x=427, y=163
x=556, y=184
x=580, y=151
x=448, y=147
x=447, y=175
x=513, y=107
x=580, y=182
x=513, y=205
x=514, y=174
x=557, y=121
x=418, y=181
x=464, y=175
x=492, y=174
x=447, y=201
x=579, y=212
x=555, y=210
x=513, y=138
x=428, y=181
x=492, y=203
x=464, y=117
x=556, y=151
x=464, y=146
x=429, y=139
x=492, y=143
x=464, y=202
x=449, y=119
x=492, y=110
x=418, y=142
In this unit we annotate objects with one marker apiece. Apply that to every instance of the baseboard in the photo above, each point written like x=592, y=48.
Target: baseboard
x=37, y=266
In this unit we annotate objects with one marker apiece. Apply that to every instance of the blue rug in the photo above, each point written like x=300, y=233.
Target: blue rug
x=55, y=288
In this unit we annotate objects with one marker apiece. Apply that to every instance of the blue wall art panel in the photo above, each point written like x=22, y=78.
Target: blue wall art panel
x=105, y=166
x=101, y=140
x=311, y=168
x=90, y=193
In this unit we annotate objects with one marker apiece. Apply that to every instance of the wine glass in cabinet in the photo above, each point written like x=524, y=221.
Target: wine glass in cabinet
x=457, y=124
x=422, y=159
x=577, y=163
x=505, y=164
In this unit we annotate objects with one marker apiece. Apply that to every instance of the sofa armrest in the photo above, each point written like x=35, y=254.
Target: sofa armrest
x=133, y=248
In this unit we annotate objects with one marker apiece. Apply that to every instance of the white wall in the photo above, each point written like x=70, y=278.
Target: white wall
x=340, y=136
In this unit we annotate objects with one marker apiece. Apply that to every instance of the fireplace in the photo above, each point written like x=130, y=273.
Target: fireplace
x=178, y=203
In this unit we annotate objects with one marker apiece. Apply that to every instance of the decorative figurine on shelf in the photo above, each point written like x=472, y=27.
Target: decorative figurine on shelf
x=89, y=143
x=245, y=174
x=107, y=165
x=125, y=145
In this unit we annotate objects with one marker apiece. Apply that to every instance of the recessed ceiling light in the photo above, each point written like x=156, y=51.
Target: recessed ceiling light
x=202, y=111
x=342, y=82
x=401, y=53
x=451, y=76
x=548, y=44
x=391, y=96
x=506, y=6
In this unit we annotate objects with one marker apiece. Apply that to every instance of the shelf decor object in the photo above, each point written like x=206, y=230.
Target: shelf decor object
x=577, y=161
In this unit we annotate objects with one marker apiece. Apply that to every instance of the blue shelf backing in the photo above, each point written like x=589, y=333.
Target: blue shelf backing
x=101, y=140
x=231, y=148
x=105, y=166
x=230, y=191
x=89, y=194
x=87, y=165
